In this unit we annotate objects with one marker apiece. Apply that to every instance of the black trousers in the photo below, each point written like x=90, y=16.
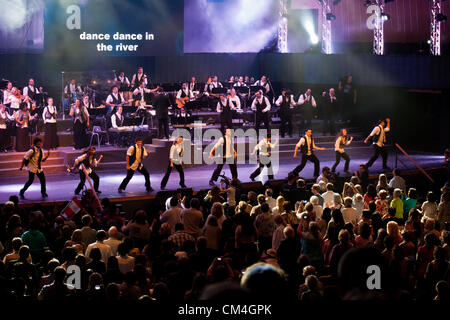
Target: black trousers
x=261, y=165
x=338, y=160
x=226, y=120
x=79, y=135
x=264, y=118
x=286, y=123
x=31, y=175
x=93, y=176
x=130, y=174
x=307, y=118
x=233, y=169
x=377, y=151
x=328, y=122
x=163, y=132
x=179, y=168
x=305, y=158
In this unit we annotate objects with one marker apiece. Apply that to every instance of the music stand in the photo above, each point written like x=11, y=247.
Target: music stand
x=219, y=90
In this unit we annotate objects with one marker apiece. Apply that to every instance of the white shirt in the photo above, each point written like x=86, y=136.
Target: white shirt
x=262, y=84
x=271, y=202
x=113, y=244
x=350, y=215
x=260, y=100
x=235, y=101
x=310, y=146
x=264, y=145
x=80, y=159
x=229, y=152
x=125, y=264
x=104, y=249
x=328, y=198
x=5, y=116
x=337, y=145
x=137, y=164
x=135, y=78
x=303, y=98
x=6, y=94
x=171, y=216
x=398, y=182
x=25, y=90
x=280, y=100
x=382, y=137
x=176, y=153
x=239, y=84
x=33, y=160
x=141, y=91
x=109, y=100
x=220, y=105
x=49, y=109
x=15, y=102
x=123, y=80
x=72, y=88
x=116, y=119
x=187, y=92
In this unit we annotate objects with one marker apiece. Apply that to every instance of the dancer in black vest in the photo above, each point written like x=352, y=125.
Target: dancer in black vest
x=286, y=103
x=175, y=161
x=5, y=138
x=339, y=145
x=80, y=124
x=135, y=156
x=229, y=156
x=378, y=136
x=49, y=116
x=261, y=106
x=33, y=160
x=307, y=147
x=225, y=109
x=265, y=152
x=308, y=104
x=87, y=159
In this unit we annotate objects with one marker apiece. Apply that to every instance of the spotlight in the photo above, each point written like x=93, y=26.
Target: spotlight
x=331, y=16
x=385, y=17
x=429, y=41
x=441, y=17
x=367, y=3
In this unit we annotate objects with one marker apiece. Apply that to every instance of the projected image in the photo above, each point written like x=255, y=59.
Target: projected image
x=230, y=25
x=22, y=25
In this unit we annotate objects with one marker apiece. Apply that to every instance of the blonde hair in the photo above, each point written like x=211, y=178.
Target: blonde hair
x=280, y=204
x=392, y=228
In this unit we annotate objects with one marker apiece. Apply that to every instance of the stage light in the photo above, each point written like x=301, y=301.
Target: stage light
x=429, y=41
x=367, y=3
x=331, y=16
x=309, y=27
x=441, y=17
x=385, y=17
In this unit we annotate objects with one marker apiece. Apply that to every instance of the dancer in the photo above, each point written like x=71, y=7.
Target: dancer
x=175, y=160
x=49, y=116
x=378, y=136
x=33, y=160
x=87, y=159
x=264, y=147
x=342, y=141
x=229, y=156
x=307, y=147
x=135, y=155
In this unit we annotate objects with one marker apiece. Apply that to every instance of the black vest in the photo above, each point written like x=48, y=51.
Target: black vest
x=132, y=158
x=343, y=142
x=226, y=109
x=377, y=136
x=261, y=106
x=31, y=94
x=50, y=115
x=119, y=122
x=304, y=147
x=87, y=162
x=307, y=104
x=32, y=155
x=138, y=79
x=116, y=101
x=183, y=94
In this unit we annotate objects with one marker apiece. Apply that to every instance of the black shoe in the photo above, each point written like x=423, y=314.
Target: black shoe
x=119, y=190
x=386, y=168
x=253, y=179
x=44, y=195
x=21, y=195
x=77, y=192
x=183, y=186
x=162, y=188
x=98, y=191
x=150, y=189
x=347, y=172
x=211, y=183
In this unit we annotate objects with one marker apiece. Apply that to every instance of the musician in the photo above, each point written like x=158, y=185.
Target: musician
x=138, y=78
x=87, y=159
x=185, y=92
x=33, y=160
x=175, y=161
x=5, y=139
x=114, y=99
x=378, y=136
x=286, y=103
x=86, y=103
x=71, y=90
x=264, y=147
x=307, y=103
x=330, y=107
x=117, y=118
x=123, y=81
x=194, y=86
x=234, y=98
x=80, y=124
x=339, y=145
x=23, y=118
x=231, y=82
x=31, y=91
x=213, y=84
x=49, y=116
x=229, y=156
x=135, y=156
x=225, y=109
x=14, y=99
x=307, y=147
x=248, y=81
x=261, y=106
x=161, y=105
x=139, y=93
x=240, y=82
x=263, y=83
x=6, y=92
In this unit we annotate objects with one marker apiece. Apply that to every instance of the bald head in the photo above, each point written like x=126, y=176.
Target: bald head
x=113, y=233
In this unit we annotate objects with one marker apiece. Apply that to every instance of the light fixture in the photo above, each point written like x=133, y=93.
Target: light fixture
x=331, y=16
x=441, y=17
x=385, y=17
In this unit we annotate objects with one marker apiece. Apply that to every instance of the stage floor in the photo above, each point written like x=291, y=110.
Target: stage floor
x=60, y=187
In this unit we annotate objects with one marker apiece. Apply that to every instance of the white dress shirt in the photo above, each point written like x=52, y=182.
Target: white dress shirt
x=176, y=153
x=264, y=145
x=118, y=96
x=310, y=146
x=80, y=159
x=123, y=80
x=382, y=138
x=25, y=90
x=280, y=101
x=220, y=106
x=116, y=119
x=229, y=152
x=137, y=164
x=337, y=145
x=32, y=156
x=4, y=115
x=49, y=110
x=135, y=78
x=260, y=100
x=187, y=92
x=237, y=102
x=303, y=98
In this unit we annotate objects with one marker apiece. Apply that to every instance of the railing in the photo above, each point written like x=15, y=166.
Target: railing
x=413, y=161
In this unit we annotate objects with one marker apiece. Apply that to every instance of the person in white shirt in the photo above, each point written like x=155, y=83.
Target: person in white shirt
x=7, y=92
x=342, y=141
x=138, y=78
x=225, y=110
x=378, y=136
x=72, y=88
x=13, y=99
x=140, y=91
x=328, y=196
x=113, y=240
x=397, y=181
x=263, y=83
x=265, y=152
x=135, y=156
x=229, y=156
x=307, y=147
x=5, y=139
x=234, y=98
x=33, y=160
x=172, y=216
x=261, y=106
x=240, y=82
x=49, y=116
x=270, y=200
x=126, y=262
x=123, y=81
x=117, y=119
x=324, y=176
x=104, y=248
x=114, y=99
x=307, y=103
x=286, y=103
x=89, y=162
x=184, y=95
x=349, y=213
x=430, y=207
x=31, y=91
x=175, y=160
